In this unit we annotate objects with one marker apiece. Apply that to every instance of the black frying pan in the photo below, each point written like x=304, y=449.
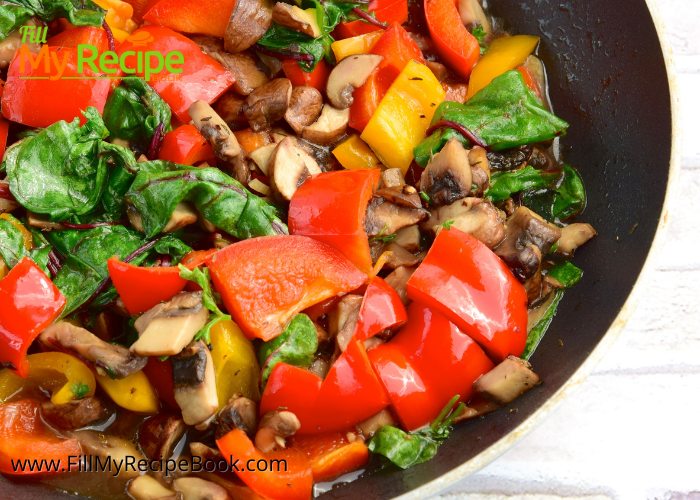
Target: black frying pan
x=608, y=79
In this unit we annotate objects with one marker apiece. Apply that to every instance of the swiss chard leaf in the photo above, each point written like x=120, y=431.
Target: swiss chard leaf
x=282, y=39
x=505, y=114
x=133, y=112
x=566, y=273
x=209, y=299
x=407, y=449
x=86, y=253
x=554, y=194
x=12, y=249
x=64, y=169
x=219, y=198
x=295, y=346
x=14, y=13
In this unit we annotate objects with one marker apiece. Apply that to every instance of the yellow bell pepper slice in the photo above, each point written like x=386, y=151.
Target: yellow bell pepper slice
x=134, y=392
x=403, y=115
x=354, y=154
x=504, y=54
x=360, y=44
x=65, y=376
x=235, y=363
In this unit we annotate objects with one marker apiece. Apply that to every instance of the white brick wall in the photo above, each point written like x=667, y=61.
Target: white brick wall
x=632, y=430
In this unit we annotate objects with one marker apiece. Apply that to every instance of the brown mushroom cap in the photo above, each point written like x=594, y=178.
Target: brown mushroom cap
x=304, y=107
x=483, y=222
x=249, y=21
x=274, y=427
x=330, y=126
x=288, y=168
x=387, y=218
x=267, y=104
x=350, y=73
x=297, y=19
x=239, y=413
x=448, y=176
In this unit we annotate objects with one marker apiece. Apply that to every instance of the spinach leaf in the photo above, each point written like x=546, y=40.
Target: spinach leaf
x=63, y=170
x=134, y=111
x=282, y=39
x=407, y=449
x=14, y=13
x=554, y=194
x=220, y=199
x=568, y=275
x=504, y=114
x=86, y=254
x=209, y=299
x=295, y=346
x=12, y=249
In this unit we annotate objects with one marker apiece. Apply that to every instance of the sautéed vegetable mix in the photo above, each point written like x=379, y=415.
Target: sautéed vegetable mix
x=238, y=237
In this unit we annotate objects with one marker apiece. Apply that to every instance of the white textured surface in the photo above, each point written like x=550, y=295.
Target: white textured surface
x=632, y=430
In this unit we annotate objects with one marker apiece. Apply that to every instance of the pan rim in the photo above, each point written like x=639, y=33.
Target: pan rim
x=476, y=463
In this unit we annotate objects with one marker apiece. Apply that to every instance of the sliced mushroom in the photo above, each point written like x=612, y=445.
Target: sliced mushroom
x=387, y=218
x=242, y=66
x=241, y=170
x=329, y=127
x=304, y=106
x=230, y=108
x=262, y=155
x=472, y=14
x=510, y=159
x=409, y=238
x=182, y=216
x=448, y=176
x=528, y=237
x=194, y=488
x=401, y=195
x=271, y=65
x=297, y=19
x=392, y=177
x=274, y=427
x=115, y=449
x=400, y=257
x=478, y=406
x=439, y=70
x=195, y=384
x=481, y=170
x=320, y=366
x=167, y=328
x=159, y=435
x=267, y=104
x=148, y=488
x=74, y=414
x=288, y=168
x=13, y=42
x=215, y=130
x=447, y=213
x=533, y=287
x=249, y=21
x=398, y=279
x=42, y=222
x=483, y=222
x=573, y=236
x=374, y=424
x=349, y=74
x=239, y=413
x=110, y=359
x=510, y=379
x=321, y=154
x=342, y=319
x=206, y=454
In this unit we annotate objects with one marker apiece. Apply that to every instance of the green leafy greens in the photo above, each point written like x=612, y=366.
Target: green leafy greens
x=79, y=389
x=479, y=33
x=407, y=449
x=296, y=346
x=220, y=199
x=209, y=299
x=14, y=13
x=505, y=114
x=12, y=249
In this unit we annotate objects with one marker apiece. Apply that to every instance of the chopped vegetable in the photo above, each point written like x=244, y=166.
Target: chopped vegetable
x=295, y=346
x=458, y=48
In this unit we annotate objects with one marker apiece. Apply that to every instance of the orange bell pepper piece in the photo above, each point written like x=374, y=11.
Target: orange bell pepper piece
x=192, y=16
x=81, y=35
x=354, y=154
x=331, y=455
x=250, y=140
x=360, y=44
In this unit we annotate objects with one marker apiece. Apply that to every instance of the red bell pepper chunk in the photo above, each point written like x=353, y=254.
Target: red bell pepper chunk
x=4, y=125
x=25, y=437
x=40, y=102
x=202, y=78
x=458, y=48
x=290, y=479
x=426, y=364
x=464, y=280
x=292, y=388
x=192, y=16
x=331, y=455
x=265, y=281
x=331, y=207
x=160, y=375
x=316, y=79
x=142, y=288
x=349, y=394
x=397, y=48
x=381, y=309
x=186, y=146
x=30, y=302
x=387, y=11
x=193, y=259
x=81, y=35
